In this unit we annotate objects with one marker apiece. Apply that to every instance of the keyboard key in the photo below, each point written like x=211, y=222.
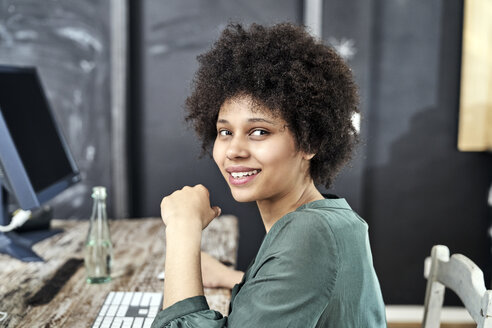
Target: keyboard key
x=117, y=322
x=106, y=322
x=122, y=310
x=97, y=322
x=156, y=299
x=136, y=299
x=127, y=298
x=153, y=311
x=118, y=297
x=138, y=322
x=103, y=310
x=109, y=298
x=145, y=300
x=112, y=310
x=148, y=322
x=127, y=322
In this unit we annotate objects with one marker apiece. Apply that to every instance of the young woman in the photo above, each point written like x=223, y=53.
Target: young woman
x=277, y=106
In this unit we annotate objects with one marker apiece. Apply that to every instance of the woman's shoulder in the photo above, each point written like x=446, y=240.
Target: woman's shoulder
x=316, y=228
x=301, y=243
x=329, y=225
x=311, y=224
x=333, y=214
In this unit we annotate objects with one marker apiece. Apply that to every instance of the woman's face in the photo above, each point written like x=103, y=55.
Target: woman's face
x=256, y=153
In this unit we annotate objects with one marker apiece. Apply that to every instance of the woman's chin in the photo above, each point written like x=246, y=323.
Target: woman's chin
x=242, y=197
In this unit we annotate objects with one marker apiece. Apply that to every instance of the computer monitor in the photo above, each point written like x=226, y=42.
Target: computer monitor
x=35, y=160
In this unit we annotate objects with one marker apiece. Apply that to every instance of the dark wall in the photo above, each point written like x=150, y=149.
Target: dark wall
x=407, y=179
x=419, y=190
x=347, y=27
x=68, y=42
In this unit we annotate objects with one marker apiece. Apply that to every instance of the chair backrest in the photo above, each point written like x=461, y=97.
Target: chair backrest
x=465, y=278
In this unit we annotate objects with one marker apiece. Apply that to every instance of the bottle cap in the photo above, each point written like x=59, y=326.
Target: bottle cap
x=99, y=192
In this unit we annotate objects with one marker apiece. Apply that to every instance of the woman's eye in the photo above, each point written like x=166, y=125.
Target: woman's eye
x=258, y=133
x=224, y=132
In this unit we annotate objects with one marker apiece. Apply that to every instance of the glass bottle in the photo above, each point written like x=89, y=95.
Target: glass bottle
x=98, y=247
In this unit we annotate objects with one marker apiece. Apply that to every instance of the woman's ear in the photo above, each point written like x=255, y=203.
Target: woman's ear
x=308, y=157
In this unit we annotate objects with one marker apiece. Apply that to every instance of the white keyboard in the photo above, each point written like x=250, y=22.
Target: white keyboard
x=128, y=310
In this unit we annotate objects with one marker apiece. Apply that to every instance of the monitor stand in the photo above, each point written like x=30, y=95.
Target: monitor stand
x=19, y=244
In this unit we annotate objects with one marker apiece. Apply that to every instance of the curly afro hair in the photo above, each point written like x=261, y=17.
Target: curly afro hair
x=286, y=70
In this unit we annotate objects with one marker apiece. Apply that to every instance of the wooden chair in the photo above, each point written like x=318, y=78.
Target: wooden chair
x=462, y=276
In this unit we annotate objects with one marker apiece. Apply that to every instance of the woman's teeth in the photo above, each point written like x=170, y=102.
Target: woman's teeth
x=237, y=175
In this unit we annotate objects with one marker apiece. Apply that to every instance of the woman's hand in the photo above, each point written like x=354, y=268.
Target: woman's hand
x=216, y=274
x=188, y=206
x=185, y=213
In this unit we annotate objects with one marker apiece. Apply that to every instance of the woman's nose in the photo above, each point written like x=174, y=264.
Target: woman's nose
x=237, y=148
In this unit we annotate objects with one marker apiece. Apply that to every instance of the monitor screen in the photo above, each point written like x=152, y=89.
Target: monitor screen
x=34, y=132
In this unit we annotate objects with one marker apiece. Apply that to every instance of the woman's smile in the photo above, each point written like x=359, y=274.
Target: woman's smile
x=241, y=175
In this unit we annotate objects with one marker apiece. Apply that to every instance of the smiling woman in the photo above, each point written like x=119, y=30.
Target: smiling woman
x=276, y=105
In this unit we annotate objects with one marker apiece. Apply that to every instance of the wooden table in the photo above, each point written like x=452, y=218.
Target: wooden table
x=55, y=293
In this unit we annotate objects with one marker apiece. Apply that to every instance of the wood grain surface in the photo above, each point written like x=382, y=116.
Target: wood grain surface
x=139, y=255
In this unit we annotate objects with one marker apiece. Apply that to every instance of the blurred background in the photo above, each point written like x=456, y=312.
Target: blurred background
x=117, y=73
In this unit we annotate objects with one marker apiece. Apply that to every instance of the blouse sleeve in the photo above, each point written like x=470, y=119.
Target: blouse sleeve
x=190, y=312
x=289, y=285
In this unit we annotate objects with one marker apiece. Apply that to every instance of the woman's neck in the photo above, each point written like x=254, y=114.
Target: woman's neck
x=272, y=210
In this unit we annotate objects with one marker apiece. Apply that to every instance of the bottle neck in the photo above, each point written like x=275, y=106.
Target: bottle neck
x=99, y=209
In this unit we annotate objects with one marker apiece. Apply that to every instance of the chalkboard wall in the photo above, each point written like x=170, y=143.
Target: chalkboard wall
x=68, y=42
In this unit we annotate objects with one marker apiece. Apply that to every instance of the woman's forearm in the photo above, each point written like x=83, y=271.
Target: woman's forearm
x=234, y=277
x=182, y=267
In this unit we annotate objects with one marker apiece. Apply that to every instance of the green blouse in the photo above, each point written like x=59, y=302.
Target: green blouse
x=314, y=269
